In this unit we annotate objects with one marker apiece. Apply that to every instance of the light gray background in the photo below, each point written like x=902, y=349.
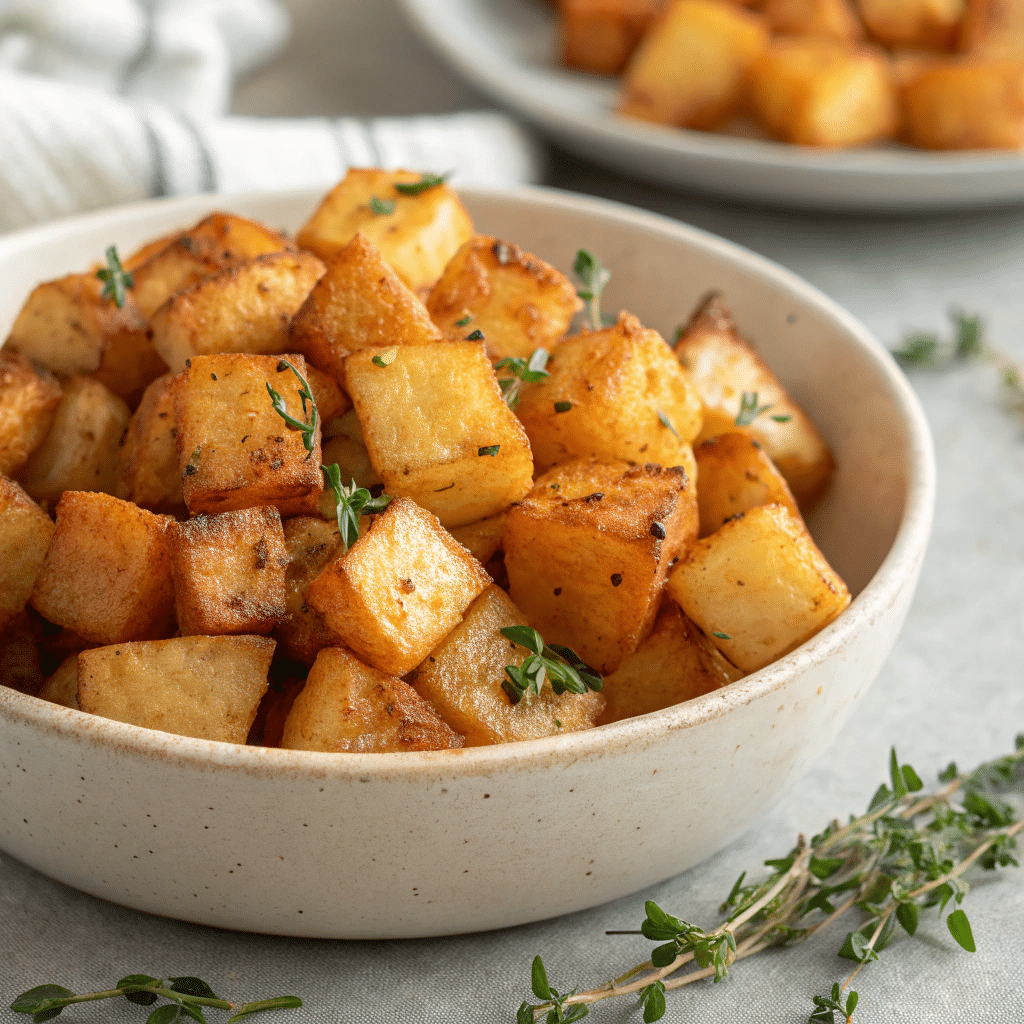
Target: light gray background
x=953, y=687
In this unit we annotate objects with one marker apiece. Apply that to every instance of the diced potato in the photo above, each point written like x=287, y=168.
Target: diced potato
x=275, y=707
x=106, y=573
x=758, y=587
x=301, y=632
x=241, y=309
x=437, y=429
x=600, y=35
x=481, y=538
x=736, y=475
x=203, y=686
x=147, y=470
x=348, y=707
x=83, y=445
x=234, y=450
x=929, y=24
x=993, y=29
x=689, y=70
x=587, y=551
x=25, y=532
x=462, y=679
x=62, y=686
x=518, y=301
x=724, y=367
x=229, y=571
x=29, y=396
x=331, y=402
x=675, y=663
x=400, y=588
x=20, y=667
x=417, y=238
x=826, y=19
x=217, y=242
x=817, y=92
x=360, y=302
x=973, y=104
x=616, y=394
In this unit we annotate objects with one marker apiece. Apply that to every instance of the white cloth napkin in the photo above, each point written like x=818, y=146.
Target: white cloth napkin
x=111, y=101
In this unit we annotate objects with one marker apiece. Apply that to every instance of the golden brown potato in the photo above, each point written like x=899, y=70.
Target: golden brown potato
x=826, y=19
x=993, y=29
x=348, y=707
x=735, y=475
x=25, y=532
x=818, y=92
x=400, y=588
x=690, y=68
x=234, y=450
x=928, y=24
x=970, y=104
x=600, y=35
x=229, y=571
x=203, y=686
x=331, y=402
x=20, y=666
x=587, y=551
x=417, y=237
x=29, y=396
x=437, y=429
x=724, y=366
x=360, y=302
x=106, y=574
x=758, y=587
x=462, y=679
x=481, y=538
x=62, y=686
x=82, y=447
x=675, y=663
x=616, y=394
x=519, y=302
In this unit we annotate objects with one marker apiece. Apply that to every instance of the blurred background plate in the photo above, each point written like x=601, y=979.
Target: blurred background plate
x=507, y=49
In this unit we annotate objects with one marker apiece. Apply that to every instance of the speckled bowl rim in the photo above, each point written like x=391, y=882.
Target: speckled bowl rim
x=881, y=591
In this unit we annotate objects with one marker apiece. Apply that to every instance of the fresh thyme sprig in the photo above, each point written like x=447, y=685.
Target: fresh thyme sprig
x=907, y=853
x=521, y=371
x=587, y=267
x=414, y=188
x=382, y=207
x=750, y=409
x=566, y=670
x=116, y=280
x=306, y=427
x=186, y=996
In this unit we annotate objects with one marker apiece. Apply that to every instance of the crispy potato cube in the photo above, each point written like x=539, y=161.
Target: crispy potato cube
x=600, y=35
x=482, y=538
x=360, y=302
x=83, y=445
x=974, y=104
x=62, y=686
x=993, y=29
x=25, y=532
x=229, y=571
x=462, y=679
x=301, y=632
x=234, y=450
x=724, y=367
x=147, y=469
x=417, y=238
x=758, y=587
x=348, y=707
x=106, y=574
x=437, y=429
x=689, y=70
x=20, y=662
x=826, y=19
x=400, y=588
x=616, y=394
x=928, y=24
x=676, y=662
x=736, y=475
x=518, y=301
x=817, y=92
x=29, y=396
x=217, y=242
x=241, y=309
x=331, y=402
x=587, y=551
x=203, y=686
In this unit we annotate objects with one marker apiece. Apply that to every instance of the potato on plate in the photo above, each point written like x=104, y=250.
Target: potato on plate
x=825, y=19
x=758, y=587
x=25, y=533
x=348, y=707
x=481, y=538
x=462, y=679
x=993, y=29
x=927, y=24
x=207, y=687
x=29, y=396
x=601, y=35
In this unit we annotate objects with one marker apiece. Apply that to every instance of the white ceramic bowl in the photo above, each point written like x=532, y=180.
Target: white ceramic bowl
x=398, y=845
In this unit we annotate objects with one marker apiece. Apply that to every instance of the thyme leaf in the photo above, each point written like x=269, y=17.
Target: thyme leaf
x=587, y=267
x=521, y=371
x=565, y=670
x=427, y=181
x=116, y=280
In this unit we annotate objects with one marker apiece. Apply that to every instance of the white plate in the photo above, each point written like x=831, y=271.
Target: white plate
x=506, y=48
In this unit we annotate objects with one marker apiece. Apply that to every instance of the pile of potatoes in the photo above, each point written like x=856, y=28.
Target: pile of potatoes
x=170, y=558
x=936, y=74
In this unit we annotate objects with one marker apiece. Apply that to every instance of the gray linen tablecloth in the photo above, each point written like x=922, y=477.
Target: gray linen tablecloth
x=952, y=688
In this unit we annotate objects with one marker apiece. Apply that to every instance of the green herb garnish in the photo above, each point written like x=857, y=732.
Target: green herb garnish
x=116, y=280
x=750, y=409
x=666, y=422
x=385, y=357
x=476, y=335
x=563, y=406
x=306, y=428
x=463, y=321
x=521, y=371
x=382, y=207
x=562, y=666
x=414, y=188
x=489, y=449
x=720, y=635
x=593, y=277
